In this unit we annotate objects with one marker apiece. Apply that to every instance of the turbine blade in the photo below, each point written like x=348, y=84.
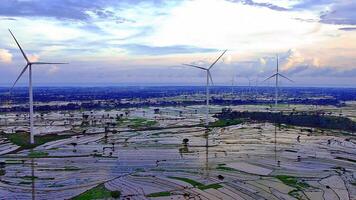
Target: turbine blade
x=217, y=59
x=23, y=53
x=210, y=77
x=23, y=71
x=47, y=63
x=286, y=78
x=195, y=66
x=270, y=77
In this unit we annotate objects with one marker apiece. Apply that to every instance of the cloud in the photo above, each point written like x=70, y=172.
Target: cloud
x=311, y=4
x=53, y=69
x=341, y=13
x=5, y=56
x=60, y=9
x=294, y=57
x=33, y=57
x=75, y=10
x=348, y=29
x=137, y=49
x=261, y=4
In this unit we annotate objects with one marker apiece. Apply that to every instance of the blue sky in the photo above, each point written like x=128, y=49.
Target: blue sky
x=144, y=42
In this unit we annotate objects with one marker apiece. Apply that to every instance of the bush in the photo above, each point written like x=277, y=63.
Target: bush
x=115, y=194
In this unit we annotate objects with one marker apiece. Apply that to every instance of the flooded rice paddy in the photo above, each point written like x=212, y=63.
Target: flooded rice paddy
x=245, y=161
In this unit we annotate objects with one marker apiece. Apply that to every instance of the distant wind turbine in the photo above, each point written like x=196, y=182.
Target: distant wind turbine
x=277, y=74
x=208, y=79
x=29, y=66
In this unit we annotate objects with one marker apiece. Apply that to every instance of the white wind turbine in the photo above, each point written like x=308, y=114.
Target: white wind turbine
x=208, y=79
x=29, y=66
x=277, y=74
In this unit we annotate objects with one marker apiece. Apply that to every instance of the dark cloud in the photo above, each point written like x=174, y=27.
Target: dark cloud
x=138, y=49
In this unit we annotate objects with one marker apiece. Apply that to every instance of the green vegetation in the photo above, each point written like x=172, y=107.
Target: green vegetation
x=226, y=122
x=98, y=192
x=136, y=122
x=37, y=154
x=66, y=168
x=196, y=184
x=115, y=194
x=223, y=168
x=307, y=119
x=159, y=194
x=292, y=181
x=211, y=186
x=23, y=139
x=296, y=194
x=187, y=180
x=14, y=162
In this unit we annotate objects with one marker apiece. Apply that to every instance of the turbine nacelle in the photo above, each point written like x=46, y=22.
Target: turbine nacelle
x=277, y=75
x=208, y=74
x=29, y=63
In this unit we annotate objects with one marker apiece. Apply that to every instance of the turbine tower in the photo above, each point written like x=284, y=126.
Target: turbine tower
x=208, y=79
x=277, y=74
x=29, y=67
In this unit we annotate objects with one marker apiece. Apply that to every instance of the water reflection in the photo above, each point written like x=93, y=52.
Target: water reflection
x=33, y=178
x=207, y=154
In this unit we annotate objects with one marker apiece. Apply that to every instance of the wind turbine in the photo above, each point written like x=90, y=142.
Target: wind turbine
x=29, y=67
x=208, y=79
x=277, y=75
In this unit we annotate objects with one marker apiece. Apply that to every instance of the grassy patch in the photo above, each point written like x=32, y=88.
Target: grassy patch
x=159, y=194
x=137, y=122
x=23, y=139
x=296, y=194
x=197, y=184
x=211, y=186
x=187, y=180
x=225, y=122
x=13, y=162
x=223, y=168
x=37, y=154
x=292, y=181
x=98, y=192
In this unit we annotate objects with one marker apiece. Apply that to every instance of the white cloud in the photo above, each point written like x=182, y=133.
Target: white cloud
x=33, y=57
x=221, y=24
x=5, y=56
x=53, y=69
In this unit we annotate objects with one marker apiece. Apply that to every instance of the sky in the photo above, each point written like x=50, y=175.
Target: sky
x=136, y=42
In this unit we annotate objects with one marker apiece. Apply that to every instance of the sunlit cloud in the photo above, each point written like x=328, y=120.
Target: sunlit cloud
x=5, y=56
x=156, y=36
